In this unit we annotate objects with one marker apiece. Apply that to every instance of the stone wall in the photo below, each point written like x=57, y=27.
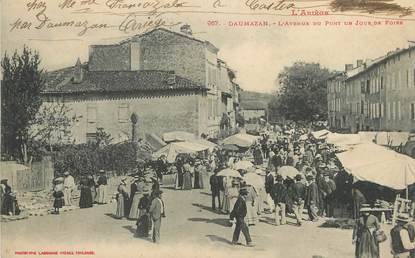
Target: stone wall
x=162, y=50
x=157, y=114
x=109, y=58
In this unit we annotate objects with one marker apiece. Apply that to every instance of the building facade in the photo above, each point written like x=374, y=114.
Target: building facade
x=171, y=80
x=376, y=95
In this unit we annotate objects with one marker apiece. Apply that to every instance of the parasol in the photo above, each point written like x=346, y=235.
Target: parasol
x=243, y=164
x=230, y=147
x=229, y=172
x=288, y=171
x=254, y=180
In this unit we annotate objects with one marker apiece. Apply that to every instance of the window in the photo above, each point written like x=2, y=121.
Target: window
x=381, y=82
x=399, y=110
x=362, y=108
x=398, y=80
x=393, y=110
x=407, y=78
x=388, y=110
x=91, y=113
x=123, y=112
x=414, y=78
x=91, y=137
x=381, y=111
x=412, y=113
x=368, y=86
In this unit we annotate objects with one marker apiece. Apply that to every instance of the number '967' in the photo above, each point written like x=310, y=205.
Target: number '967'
x=213, y=23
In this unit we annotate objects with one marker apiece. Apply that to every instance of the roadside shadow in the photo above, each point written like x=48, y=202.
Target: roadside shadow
x=267, y=220
x=217, y=221
x=170, y=187
x=215, y=238
x=206, y=193
x=207, y=208
x=113, y=216
x=130, y=228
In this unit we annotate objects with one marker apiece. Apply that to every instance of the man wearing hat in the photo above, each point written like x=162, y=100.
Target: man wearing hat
x=102, y=187
x=280, y=197
x=156, y=212
x=312, y=198
x=298, y=198
x=328, y=189
x=69, y=186
x=238, y=213
x=400, y=237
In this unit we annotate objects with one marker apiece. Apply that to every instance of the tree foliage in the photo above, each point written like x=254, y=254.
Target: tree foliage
x=302, y=93
x=20, y=100
x=52, y=125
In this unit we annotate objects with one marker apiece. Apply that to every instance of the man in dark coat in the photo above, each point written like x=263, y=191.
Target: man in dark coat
x=280, y=197
x=299, y=194
x=277, y=161
x=239, y=213
x=312, y=199
x=215, y=188
x=329, y=188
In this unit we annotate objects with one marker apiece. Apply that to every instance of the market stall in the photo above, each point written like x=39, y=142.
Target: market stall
x=376, y=164
x=175, y=148
x=241, y=140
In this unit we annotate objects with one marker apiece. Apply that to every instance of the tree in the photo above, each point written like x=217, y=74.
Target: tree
x=20, y=100
x=52, y=125
x=302, y=93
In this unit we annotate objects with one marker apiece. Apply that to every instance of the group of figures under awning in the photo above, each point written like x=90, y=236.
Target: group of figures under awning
x=183, y=142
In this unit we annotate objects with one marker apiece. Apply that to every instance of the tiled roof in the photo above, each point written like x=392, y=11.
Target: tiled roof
x=379, y=60
x=61, y=81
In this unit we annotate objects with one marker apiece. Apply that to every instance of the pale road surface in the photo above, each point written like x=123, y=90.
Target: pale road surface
x=190, y=229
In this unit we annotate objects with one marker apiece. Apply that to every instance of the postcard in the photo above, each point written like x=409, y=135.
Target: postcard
x=207, y=128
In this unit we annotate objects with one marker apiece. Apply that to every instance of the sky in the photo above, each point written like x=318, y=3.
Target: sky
x=257, y=54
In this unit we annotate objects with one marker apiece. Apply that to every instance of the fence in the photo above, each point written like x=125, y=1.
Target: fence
x=21, y=178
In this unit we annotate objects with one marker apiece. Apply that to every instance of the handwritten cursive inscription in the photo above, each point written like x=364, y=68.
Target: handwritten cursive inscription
x=132, y=24
x=152, y=6
x=273, y=6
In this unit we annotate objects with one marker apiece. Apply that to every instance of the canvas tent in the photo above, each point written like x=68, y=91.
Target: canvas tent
x=173, y=149
x=178, y=136
x=377, y=164
x=343, y=140
x=241, y=140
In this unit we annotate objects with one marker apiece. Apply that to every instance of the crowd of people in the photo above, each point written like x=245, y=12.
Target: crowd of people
x=91, y=191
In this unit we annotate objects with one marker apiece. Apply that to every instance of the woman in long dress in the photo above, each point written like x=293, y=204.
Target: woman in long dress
x=122, y=200
x=363, y=235
x=144, y=220
x=200, y=171
x=187, y=177
x=92, y=185
x=134, y=211
x=226, y=197
x=85, y=200
x=233, y=193
x=251, y=210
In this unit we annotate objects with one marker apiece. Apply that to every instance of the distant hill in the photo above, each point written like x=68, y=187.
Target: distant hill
x=251, y=99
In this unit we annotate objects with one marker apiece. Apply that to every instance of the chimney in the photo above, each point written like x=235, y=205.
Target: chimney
x=359, y=62
x=348, y=67
x=186, y=29
x=78, y=73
